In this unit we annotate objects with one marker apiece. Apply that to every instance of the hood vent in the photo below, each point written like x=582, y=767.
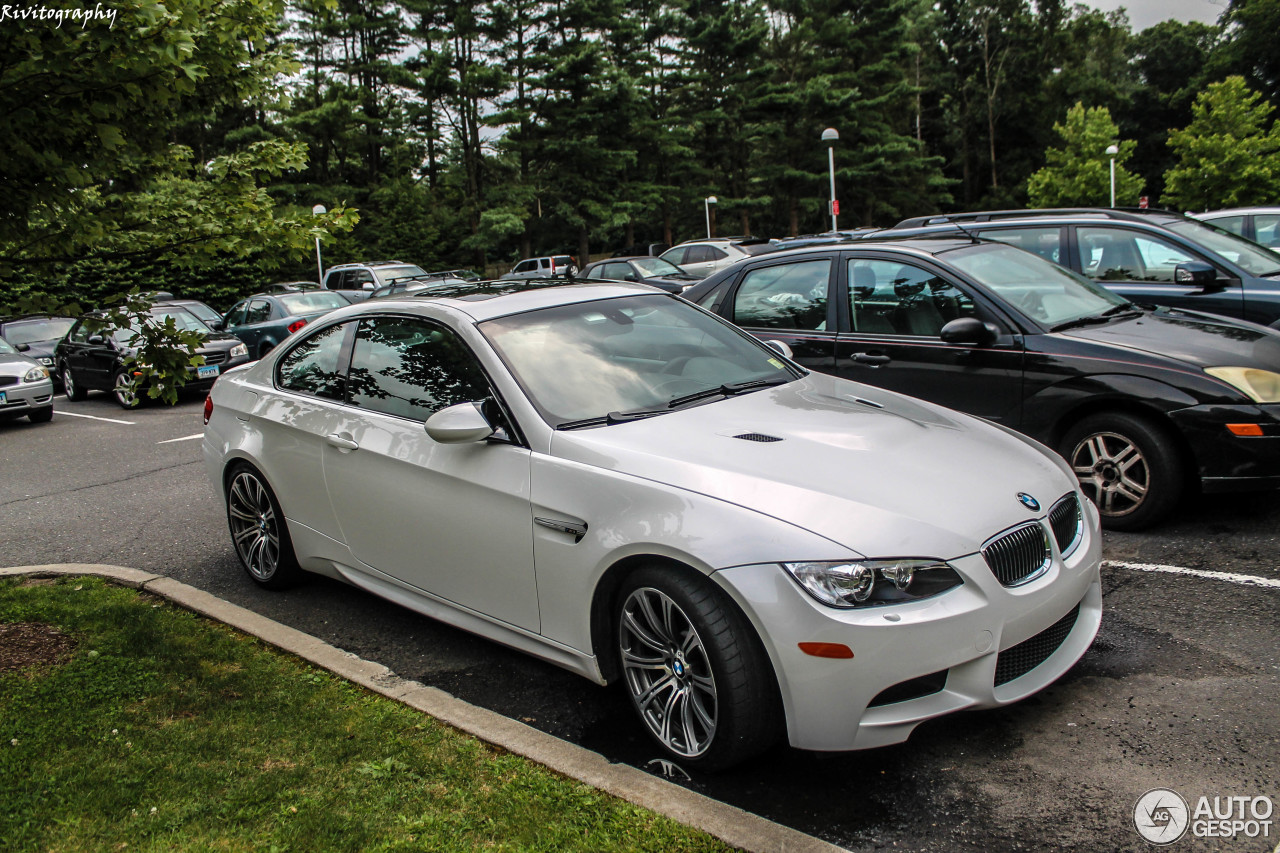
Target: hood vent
x=756, y=436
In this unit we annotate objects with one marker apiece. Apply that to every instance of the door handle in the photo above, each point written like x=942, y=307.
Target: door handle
x=869, y=358
x=341, y=442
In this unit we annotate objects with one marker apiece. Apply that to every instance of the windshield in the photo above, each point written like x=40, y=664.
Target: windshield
x=204, y=312
x=5, y=349
x=589, y=359
x=1246, y=254
x=651, y=267
x=311, y=302
x=36, y=331
x=1040, y=289
x=386, y=274
x=183, y=321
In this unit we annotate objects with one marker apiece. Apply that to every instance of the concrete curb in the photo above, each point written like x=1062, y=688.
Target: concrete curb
x=732, y=825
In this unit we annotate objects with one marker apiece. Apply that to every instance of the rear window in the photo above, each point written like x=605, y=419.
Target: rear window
x=309, y=303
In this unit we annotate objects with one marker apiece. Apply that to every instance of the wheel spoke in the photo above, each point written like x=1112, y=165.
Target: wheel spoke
x=653, y=621
x=641, y=633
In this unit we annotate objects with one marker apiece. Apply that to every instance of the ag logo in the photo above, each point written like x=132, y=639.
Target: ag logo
x=1161, y=816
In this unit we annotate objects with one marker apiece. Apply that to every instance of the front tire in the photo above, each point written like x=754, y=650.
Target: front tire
x=73, y=391
x=695, y=670
x=1128, y=465
x=259, y=531
x=41, y=416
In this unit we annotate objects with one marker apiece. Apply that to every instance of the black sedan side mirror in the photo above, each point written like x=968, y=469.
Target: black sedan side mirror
x=970, y=330
x=23, y=347
x=1195, y=272
x=97, y=340
x=218, y=325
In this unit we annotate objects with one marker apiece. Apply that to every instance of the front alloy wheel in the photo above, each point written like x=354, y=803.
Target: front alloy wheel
x=668, y=673
x=1127, y=465
x=258, y=531
x=126, y=392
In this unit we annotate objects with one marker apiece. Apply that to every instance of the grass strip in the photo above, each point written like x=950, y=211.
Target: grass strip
x=165, y=731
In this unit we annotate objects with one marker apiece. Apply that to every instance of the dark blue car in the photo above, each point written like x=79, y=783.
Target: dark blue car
x=266, y=319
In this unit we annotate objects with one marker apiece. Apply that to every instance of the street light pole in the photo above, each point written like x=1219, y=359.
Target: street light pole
x=710, y=200
x=1112, y=151
x=831, y=136
x=319, y=210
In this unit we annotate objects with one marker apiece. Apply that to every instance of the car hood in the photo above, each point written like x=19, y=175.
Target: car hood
x=903, y=479
x=16, y=365
x=1199, y=339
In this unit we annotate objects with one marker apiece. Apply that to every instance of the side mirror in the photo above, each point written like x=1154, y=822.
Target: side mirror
x=218, y=325
x=460, y=424
x=1195, y=272
x=781, y=346
x=23, y=347
x=971, y=331
x=97, y=340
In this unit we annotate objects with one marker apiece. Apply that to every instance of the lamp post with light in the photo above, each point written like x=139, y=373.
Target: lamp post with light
x=319, y=210
x=1112, y=151
x=831, y=136
x=706, y=204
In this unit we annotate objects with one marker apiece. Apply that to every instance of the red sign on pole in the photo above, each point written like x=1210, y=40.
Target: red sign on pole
x=1142, y=202
x=835, y=207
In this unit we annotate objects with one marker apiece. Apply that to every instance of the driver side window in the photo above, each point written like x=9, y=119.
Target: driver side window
x=892, y=298
x=784, y=296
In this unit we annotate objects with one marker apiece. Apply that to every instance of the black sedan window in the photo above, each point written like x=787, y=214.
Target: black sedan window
x=784, y=296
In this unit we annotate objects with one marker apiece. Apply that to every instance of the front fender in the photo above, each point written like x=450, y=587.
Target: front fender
x=1048, y=412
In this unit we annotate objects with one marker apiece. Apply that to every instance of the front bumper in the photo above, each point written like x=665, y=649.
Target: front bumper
x=1228, y=462
x=942, y=651
x=25, y=397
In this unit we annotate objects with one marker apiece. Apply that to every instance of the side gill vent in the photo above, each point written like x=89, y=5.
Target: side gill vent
x=757, y=436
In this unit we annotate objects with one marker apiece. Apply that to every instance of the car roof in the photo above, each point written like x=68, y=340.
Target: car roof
x=1236, y=211
x=1127, y=214
x=485, y=300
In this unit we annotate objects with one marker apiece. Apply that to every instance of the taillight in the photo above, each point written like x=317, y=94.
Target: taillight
x=208, y=409
x=296, y=325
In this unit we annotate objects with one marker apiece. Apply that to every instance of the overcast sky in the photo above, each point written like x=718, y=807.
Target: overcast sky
x=1144, y=13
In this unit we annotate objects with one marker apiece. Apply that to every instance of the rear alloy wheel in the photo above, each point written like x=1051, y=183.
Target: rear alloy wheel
x=69, y=387
x=694, y=669
x=126, y=391
x=259, y=531
x=1128, y=466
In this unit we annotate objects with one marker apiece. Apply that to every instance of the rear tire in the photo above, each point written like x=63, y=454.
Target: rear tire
x=1128, y=465
x=695, y=670
x=259, y=532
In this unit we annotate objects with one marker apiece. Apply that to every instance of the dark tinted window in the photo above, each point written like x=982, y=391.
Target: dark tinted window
x=412, y=368
x=893, y=298
x=1045, y=242
x=235, y=317
x=258, y=311
x=677, y=255
x=784, y=296
x=313, y=366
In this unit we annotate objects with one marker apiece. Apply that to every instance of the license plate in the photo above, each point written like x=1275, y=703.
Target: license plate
x=206, y=371
x=4, y=398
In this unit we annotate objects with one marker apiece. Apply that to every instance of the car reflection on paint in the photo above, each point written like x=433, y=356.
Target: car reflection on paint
x=613, y=480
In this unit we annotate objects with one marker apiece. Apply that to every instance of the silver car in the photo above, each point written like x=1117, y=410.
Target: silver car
x=613, y=480
x=25, y=386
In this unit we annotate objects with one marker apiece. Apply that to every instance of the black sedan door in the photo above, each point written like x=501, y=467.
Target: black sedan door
x=893, y=309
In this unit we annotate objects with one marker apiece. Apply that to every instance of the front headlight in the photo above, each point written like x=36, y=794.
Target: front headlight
x=35, y=374
x=1261, y=386
x=871, y=583
x=239, y=350
x=45, y=360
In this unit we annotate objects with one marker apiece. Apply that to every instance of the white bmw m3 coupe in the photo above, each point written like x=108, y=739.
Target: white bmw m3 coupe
x=613, y=480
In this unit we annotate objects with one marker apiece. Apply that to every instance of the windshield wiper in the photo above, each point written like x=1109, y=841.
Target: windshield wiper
x=1115, y=312
x=727, y=390
x=613, y=418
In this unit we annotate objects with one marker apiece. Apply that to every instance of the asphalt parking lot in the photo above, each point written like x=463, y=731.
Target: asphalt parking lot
x=1180, y=691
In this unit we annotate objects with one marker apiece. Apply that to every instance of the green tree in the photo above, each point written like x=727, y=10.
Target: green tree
x=1079, y=173
x=1229, y=155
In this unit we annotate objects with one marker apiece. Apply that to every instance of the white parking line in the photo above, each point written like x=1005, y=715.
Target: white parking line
x=94, y=418
x=184, y=438
x=1231, y=577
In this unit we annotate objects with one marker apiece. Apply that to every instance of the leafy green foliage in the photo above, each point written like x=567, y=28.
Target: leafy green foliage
x=1079, y=173
x=1229, y=155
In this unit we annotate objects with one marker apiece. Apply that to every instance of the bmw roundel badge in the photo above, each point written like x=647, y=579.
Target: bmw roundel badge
x=1028, y=501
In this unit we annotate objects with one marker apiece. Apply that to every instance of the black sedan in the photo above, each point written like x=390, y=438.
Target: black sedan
x=36, y=335
x=266, y=319
x=641, y=268
x=89, y=360
x=1142, y=403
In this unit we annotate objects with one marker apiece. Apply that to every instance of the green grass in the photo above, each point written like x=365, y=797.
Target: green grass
x=164, y=731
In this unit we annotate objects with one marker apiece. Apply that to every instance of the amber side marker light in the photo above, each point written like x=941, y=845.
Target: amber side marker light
x=827, y=650
x=1245, y=429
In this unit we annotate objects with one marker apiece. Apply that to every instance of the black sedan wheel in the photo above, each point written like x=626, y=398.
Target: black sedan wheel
x=69, y=387
x=1128, y=466
x=125, y=389
x=694, y=669
x=259, y=531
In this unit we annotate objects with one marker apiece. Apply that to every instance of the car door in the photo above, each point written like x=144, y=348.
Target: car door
x=1140, y=266
x=702, y=261
x=896, y=308
x=452, y=520
x=74, y=352
x=788, y=300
